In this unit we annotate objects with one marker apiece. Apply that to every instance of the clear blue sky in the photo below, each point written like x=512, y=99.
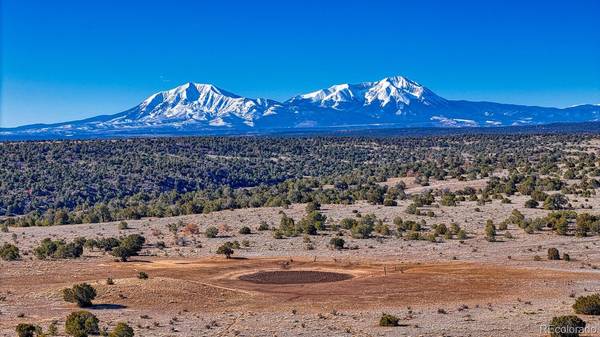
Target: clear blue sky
x=64, y=60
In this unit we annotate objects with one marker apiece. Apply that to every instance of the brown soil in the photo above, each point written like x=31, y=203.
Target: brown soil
x=214, y=284
x=294, y=277
x=211, y=287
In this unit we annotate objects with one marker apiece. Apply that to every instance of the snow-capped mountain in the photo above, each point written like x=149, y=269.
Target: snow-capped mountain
x=390, y=94
x=400, y=102
x=390, y=102
x=199, y=103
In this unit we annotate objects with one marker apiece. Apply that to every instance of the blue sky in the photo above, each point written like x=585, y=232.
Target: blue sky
x=64, y=60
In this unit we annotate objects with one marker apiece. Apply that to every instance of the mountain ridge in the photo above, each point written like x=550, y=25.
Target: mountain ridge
x=392, y=101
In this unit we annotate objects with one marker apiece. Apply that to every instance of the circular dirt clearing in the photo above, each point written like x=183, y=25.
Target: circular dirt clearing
x=294, y=277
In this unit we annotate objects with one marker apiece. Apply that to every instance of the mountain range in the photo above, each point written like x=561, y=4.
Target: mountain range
x=393, y=102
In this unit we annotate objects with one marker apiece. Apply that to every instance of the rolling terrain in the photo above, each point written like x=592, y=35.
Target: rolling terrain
x=475, y=235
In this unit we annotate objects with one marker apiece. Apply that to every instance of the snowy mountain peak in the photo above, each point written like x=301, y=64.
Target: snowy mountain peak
x=188, y=92
x=196, y=102
x=398, y=84
x=390, y=93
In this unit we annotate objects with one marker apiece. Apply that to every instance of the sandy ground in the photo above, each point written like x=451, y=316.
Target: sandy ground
x=452, y=288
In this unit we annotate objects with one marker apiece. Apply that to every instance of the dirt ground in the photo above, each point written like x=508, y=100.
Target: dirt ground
x=181, y=293
x=452, y=288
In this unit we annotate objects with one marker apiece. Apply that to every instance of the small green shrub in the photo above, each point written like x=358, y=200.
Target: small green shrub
x=245, y=230
x=174, y=227
x=454, y=228
x=226, y=249
x=129, y=246
x=412, y=235
x=441, y=229
x=313, y=206
x=348, y=223
x=70, y=250
x=81, y=324
x=412, y=209
x=382, y=229
x=53, y=328
x=133, y=243
x=431, y=237
x=587, y=305
x=120, y=252
x=531, y=203
x=81, y=294
x=58, y=249
x=490, y=231
x=388, y=320
x=122, y=330
x=361, y=231
x=566, y=326
x=389, y=202
x=211, y=232
x=555, y=201
x=553, y=254
x=9, y=252
x=337, y=243
x=27, y=330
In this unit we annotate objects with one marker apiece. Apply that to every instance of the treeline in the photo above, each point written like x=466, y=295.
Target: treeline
x=52, y=183
x=173, y=204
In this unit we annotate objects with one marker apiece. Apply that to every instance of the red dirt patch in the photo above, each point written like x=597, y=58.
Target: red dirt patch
x=294, y=277
x=212, y=285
